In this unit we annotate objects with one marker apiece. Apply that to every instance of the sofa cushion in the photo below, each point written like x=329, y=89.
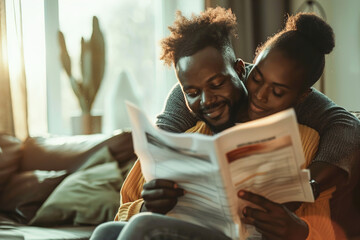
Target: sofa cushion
x=10, y=155
x=70, y=152
x=26, y=192
x=89, y=196
x=58, y=152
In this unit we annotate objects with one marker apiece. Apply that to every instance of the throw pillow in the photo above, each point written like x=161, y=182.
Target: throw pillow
x=89, y=196
x=58, y=152
x=26, y=192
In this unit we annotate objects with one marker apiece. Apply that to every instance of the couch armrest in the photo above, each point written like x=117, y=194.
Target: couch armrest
x=69, y=152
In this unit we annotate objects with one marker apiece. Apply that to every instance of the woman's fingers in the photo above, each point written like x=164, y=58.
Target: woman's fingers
x=269, y=228
x=270, y=236
x=259, y=200
x=259, y=215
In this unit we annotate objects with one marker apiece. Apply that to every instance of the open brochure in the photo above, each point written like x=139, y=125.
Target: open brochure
x=263, y=156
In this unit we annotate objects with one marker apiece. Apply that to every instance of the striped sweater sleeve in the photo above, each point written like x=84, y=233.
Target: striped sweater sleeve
x=316, y=214
x=130, y=194
x=317, y=217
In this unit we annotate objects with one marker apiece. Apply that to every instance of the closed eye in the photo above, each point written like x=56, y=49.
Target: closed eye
x=278, y=92
x=217, y=84
x=255, y=79
x=192, y=93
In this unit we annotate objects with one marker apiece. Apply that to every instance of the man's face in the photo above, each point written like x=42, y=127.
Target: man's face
x=212, y=88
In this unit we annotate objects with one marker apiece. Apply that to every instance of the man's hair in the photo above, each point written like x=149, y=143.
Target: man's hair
x=212, y=27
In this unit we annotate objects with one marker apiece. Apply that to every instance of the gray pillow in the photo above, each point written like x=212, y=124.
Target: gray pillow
x=89, y=196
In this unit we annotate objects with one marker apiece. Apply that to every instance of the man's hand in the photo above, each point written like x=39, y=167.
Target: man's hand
x=121, y=148
x=275, y=221
x=160, y=196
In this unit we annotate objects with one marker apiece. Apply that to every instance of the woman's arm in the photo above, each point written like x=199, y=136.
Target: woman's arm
x=176, y=117
x=339, y=134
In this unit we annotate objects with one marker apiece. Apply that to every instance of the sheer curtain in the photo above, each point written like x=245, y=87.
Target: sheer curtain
x=13, y=96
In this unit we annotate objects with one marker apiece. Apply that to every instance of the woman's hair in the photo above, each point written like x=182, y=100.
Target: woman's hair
x=306, y=39
x=212, y=27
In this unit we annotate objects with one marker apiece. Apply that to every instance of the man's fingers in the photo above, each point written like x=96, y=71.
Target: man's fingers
x=161, y=193
x=159, y=183
x=258, y=200
x=161, y=205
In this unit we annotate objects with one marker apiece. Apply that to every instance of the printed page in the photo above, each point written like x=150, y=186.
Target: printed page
x=189, y=160
x=265, y=157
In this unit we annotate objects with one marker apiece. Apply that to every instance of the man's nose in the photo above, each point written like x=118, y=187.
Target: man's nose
x=207, y=98
x=262, y=93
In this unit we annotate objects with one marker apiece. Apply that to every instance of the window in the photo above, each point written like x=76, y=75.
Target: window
x=34, y=57
x=131, y=29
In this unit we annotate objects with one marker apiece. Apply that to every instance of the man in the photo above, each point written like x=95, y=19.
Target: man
x=210, y=78
x=216, y=93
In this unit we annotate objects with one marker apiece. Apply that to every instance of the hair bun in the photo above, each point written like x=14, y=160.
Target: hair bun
x=313, y=28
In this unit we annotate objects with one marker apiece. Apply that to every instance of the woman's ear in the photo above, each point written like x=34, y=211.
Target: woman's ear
x=304, y=95
x=240, y=68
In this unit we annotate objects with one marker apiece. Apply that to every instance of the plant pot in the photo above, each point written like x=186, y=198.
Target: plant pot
x=86, y=124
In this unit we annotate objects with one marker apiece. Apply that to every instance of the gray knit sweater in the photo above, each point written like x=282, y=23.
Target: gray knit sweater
x=339, y=130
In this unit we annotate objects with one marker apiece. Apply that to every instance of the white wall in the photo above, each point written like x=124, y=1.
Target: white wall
x=342, y=71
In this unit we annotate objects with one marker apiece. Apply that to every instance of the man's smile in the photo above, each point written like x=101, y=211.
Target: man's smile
x=215, y=112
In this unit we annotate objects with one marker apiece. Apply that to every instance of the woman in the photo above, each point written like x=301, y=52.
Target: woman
x=285, y=68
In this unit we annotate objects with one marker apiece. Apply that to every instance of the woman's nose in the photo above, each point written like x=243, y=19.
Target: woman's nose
x=262, y=94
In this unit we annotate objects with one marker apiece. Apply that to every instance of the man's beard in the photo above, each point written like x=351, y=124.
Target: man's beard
x=233, y=115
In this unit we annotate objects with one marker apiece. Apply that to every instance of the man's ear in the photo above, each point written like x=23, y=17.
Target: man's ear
x=240, y=68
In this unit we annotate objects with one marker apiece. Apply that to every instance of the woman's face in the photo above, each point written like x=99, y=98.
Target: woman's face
x=275, y=83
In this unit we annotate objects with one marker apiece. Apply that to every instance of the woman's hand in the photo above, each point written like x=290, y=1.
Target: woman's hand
x=275, y=221
x=160, y=196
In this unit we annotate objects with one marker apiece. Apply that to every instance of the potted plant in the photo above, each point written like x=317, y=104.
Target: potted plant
x=92, y=63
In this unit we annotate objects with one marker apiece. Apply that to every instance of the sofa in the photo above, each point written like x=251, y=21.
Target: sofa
x=61, y=187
